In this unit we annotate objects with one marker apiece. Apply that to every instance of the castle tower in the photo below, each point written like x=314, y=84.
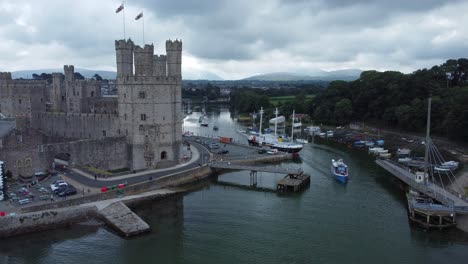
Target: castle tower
x=71, y=90
x=57, y=96
x=124, y=55
x=144, y=60
x=150, y=109
x=160, y=65
x=174, y=58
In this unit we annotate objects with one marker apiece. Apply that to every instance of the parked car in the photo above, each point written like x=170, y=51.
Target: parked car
x=57, y=185
x=223, y=151
x=67, y=191
x=198, y=140
x=262, y=151
x=214, y=146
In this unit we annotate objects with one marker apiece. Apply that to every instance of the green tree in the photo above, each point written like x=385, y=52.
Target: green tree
x=343, y=111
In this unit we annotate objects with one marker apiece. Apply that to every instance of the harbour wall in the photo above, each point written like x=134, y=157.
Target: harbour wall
x=13, y=225
x=67, y=212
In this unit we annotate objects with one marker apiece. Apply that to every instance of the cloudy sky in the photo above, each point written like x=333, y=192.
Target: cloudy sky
x=236, y=39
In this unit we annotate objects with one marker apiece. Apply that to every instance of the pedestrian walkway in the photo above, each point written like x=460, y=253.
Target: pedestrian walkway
x=194, y=158
x=87, y=179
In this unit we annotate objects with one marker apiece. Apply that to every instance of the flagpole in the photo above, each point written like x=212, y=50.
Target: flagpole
x=123, y=3
x=143, y=30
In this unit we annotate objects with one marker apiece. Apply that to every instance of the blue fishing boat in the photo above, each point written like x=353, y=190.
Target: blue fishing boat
x=339, y=170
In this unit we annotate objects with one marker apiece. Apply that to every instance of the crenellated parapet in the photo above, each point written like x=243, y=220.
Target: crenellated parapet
x=124, y=56
x=69, y=71
x=159, y=65
x=5, y=75
x=143, y=59
x=174, y=58
x=175, y=45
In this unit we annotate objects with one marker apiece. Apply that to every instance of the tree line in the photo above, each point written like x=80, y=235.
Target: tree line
x=388, y=99
x=399, y=100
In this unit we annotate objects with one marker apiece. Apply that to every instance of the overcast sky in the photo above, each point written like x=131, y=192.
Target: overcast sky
x=236, y=39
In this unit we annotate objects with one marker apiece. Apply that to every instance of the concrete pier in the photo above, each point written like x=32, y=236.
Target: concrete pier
x=123, y=220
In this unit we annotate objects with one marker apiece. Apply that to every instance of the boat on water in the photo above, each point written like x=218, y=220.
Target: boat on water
x=339, y=170
x=447, y=166
x=272, y=140
x=204, y=123
x=215, y=128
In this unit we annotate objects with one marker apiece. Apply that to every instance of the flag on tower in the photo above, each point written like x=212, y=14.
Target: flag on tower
x=120, y=8
x=139, y=16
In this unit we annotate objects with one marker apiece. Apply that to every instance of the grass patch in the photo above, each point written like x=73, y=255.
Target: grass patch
x=97, y=171
x=275, y=100
x=119, y=170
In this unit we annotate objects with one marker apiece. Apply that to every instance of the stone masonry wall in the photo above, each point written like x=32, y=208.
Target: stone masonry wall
x=77, y=125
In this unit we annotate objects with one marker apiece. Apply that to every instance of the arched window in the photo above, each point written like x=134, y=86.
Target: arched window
x=163, y=155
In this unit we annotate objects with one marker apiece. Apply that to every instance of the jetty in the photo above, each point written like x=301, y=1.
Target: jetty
x=430, y=189
x=294, y=181
x=122, y=219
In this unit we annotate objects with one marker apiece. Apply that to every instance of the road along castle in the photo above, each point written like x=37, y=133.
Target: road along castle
x=139, y=129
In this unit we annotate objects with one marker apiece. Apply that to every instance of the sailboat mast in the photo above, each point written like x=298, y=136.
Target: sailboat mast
x=426, y=155
x=276, y=119
x=292, y=125
x=261, y=121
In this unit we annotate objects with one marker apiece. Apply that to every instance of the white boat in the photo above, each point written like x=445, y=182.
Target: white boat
x=404, y=160
x=277, y=120
x=385, y=155
x=204, y=123
x=313, y=130
x=339, y=170
x=272, y=140
x=403, y=153
x=375, y=150
x=447, y=166
x=302, y=141
x=297, y=125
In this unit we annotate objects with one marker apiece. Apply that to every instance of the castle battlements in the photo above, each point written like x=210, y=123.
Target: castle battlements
x=5, y=75
x=146, y=48
x=124, y=44
x=175, y=45
x=129, y=79
x=160, y=57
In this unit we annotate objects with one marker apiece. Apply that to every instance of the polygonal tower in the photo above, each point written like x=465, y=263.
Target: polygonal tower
x=149, y=105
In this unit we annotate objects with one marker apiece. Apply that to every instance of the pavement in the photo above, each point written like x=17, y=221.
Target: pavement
x=200, y=155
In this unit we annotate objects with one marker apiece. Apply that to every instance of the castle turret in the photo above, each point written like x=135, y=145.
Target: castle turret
x=5, y=76
x=160, y=64
x=144, y=60
x=58, y=92
x=174, y=58
x=69, y=71
x=124, y=55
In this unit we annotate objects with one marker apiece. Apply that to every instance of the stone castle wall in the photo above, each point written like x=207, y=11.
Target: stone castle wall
x=108, y=153
x=77, y=125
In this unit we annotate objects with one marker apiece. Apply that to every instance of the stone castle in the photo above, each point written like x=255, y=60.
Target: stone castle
x=139, y=129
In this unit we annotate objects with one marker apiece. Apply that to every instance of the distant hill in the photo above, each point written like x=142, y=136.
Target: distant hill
x=87, y=73
x=346, y=75
x=27, y=74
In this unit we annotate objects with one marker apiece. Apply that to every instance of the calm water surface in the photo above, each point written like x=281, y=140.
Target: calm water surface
x=363, y=221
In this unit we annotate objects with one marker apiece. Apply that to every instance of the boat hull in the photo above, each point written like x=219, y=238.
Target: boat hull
x=286, y=149
x=340, y=178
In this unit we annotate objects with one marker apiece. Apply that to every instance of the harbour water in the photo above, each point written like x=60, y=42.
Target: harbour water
x=363, y=221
